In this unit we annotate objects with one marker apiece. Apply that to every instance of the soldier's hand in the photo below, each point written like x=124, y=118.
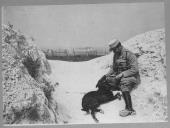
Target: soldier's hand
x=111, y=76
x=119, y=76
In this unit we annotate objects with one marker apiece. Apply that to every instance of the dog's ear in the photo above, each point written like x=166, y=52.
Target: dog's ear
x=98, y=84
x=101, y=81
x=103, y=78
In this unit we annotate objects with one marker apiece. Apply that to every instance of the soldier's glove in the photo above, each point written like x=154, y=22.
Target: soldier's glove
x=124, y=82
x=108, y=77
x=118, y=77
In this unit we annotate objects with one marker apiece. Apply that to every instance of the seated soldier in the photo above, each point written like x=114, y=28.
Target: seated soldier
x=126, y=73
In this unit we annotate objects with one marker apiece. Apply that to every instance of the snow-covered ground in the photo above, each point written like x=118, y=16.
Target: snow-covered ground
x=149, y=99
x=77, y=78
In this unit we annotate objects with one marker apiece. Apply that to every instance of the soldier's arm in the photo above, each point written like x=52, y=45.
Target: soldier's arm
x=133, y=70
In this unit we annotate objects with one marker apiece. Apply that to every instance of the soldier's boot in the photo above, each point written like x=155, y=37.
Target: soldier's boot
x=128, y=109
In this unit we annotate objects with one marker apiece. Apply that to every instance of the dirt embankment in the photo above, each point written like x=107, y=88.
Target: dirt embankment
x=27, y=88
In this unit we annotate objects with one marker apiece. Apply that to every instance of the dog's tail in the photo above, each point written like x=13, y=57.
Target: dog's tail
x=93, y=114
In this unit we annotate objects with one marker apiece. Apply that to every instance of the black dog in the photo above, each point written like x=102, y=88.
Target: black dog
x=92, y=100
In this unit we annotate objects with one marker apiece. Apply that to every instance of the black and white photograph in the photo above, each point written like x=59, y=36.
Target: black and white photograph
x=84, y=64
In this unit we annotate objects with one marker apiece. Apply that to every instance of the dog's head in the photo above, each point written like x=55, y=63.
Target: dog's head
x=101, y=82
x=103, y=85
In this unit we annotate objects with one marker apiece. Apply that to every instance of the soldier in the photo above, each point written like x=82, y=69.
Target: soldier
x=126, y=73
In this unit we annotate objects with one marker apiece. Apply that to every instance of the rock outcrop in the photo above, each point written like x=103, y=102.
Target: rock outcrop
x=27, y=89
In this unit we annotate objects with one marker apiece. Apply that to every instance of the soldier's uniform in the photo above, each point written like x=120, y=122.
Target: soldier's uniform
x=124, y=75
x=125, y=63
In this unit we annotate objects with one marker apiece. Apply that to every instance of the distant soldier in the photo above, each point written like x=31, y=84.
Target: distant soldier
x=126, y=74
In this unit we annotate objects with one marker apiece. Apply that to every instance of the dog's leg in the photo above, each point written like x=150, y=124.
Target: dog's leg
x=86, y=110
x=118, y=96
x=93, y=114
x=99, y=110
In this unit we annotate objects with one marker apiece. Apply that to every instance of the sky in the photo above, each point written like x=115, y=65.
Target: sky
x=84, y=25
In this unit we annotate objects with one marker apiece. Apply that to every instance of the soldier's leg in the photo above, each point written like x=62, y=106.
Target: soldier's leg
x=126, y=85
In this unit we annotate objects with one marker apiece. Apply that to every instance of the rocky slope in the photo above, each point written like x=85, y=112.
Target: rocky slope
x=27, y=89
x=152, y=92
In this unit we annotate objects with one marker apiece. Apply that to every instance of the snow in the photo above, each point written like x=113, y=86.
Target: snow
x=77, y=78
